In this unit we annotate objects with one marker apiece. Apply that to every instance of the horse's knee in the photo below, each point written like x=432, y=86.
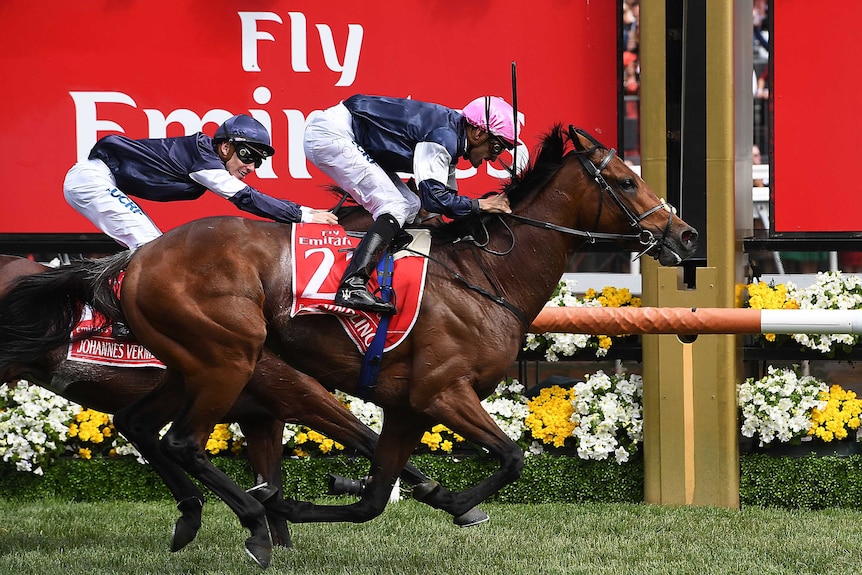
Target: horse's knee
x=127, y=425
x=512, y=462
x=182, y=450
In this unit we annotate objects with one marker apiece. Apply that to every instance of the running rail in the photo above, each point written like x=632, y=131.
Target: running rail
x=694, y=321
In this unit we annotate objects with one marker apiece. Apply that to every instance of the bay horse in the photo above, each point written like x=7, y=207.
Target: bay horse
x=206, y=298
x=276, y=392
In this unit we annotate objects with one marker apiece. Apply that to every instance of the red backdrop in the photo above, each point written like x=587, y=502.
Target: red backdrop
x=816, y=129
x=77, y=71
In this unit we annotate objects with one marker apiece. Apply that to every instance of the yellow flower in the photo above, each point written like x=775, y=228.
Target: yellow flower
x=85, y=453
x=432, y=440
x=550, y=415
x=840, y=415
x=765, y=296
x=218, y=439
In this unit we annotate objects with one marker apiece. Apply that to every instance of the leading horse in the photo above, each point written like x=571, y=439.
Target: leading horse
x=208, y=297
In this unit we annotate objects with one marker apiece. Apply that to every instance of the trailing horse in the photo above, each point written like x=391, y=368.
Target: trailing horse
x=275, y=392
x=208, y=297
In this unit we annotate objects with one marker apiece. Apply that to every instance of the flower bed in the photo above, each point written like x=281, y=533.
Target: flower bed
x=598, y=419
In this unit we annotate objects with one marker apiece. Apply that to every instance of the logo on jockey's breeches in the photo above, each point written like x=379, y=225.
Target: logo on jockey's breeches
x=126, y=201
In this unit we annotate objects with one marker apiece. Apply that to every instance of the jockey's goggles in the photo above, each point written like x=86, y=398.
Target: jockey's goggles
x=497, y=145
x=248, y=155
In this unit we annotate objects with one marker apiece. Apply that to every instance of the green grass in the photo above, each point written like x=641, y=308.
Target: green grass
x=53, y=537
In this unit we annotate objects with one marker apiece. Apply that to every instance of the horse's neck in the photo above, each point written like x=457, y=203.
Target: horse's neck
x=540, y=256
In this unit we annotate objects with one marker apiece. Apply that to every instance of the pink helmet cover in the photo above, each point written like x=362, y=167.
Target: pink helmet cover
x=493, y=114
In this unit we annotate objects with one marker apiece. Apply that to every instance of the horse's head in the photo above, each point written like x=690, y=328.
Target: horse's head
x=626, y=204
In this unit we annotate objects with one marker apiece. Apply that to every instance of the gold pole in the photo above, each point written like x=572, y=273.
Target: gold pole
x=691, y=454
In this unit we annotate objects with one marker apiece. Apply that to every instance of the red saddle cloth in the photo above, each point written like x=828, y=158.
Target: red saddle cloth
x=104, y=349
x=320, y=253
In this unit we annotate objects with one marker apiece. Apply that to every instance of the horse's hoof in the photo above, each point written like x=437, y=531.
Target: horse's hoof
x=259, y=551
x=423, y=490
x=473, y=517
x=184, y=533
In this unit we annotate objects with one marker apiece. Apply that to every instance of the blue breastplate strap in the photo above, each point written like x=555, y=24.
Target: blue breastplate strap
x=374, y=356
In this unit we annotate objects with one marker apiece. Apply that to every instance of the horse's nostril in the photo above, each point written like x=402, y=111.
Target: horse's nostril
x=689, y=236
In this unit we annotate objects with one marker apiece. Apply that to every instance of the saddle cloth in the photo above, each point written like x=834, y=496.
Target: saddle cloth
x=320, y=253
x=103, y=349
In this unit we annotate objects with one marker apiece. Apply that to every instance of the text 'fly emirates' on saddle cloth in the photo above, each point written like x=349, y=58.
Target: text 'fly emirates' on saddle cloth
x=319, y=259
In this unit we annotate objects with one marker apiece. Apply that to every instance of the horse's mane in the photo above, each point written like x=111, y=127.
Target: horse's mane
x=545, y=164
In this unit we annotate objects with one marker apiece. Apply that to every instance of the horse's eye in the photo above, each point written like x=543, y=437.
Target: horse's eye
x=628, y=184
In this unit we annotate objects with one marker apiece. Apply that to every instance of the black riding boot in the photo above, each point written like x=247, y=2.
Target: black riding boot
x=353, y=291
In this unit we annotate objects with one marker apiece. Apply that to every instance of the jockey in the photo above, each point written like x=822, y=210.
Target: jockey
x=363, y=142
x=171, y=169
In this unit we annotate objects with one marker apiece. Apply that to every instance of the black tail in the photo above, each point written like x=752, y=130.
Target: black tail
x=38, y=313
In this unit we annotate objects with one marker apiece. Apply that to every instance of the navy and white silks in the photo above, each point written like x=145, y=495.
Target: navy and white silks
x=364, y=141
x=162, y=170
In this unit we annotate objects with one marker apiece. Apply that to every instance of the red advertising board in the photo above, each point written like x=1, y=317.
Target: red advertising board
x=815, y=128
x=77, y=71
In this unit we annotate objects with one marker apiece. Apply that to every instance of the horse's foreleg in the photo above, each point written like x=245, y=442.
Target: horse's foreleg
x=460, y=410
x=263, y=437
x=140, y=423
x=294, y=396
x=396, y=443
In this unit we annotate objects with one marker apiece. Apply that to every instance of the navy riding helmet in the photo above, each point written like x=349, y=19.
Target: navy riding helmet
x=242, y=128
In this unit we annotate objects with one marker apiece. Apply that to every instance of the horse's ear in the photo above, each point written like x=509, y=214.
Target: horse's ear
x=576, y=141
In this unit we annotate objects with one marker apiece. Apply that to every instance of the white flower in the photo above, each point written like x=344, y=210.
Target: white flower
x=608, y=416
x=558, y=345
x=778, y=405
x=508, y=407
x=832, y=290
x=34, y=425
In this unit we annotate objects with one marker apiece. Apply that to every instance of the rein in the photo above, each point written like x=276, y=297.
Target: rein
x=644, y=237
x=495, y=297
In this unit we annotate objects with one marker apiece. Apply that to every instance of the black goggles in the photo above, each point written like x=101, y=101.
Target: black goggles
x=497, y=146
x=248, y=155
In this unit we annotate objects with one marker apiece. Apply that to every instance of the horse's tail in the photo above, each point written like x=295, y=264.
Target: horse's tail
x=39, y=312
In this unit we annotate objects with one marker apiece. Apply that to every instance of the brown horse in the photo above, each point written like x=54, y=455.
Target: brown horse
x=275, y=391
x=206, y=298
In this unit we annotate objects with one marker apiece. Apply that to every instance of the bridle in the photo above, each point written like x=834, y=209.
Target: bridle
x=643, y=236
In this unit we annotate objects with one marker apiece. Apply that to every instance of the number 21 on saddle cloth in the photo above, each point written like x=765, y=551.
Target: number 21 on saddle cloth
x=319, y=260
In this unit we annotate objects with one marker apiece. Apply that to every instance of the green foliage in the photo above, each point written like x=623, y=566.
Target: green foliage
x=801, y=482
x=765, y=481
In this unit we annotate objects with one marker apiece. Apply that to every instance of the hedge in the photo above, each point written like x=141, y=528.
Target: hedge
x=792, y=483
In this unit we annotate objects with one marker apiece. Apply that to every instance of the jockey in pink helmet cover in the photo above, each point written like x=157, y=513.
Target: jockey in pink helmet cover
x=364, y=142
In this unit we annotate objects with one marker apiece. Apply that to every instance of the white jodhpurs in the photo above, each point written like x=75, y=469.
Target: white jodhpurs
x=330, y=145
x=90, y=188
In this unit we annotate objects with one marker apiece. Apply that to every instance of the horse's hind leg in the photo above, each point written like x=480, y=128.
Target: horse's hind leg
x=140, y=423
x=263, y=436
x=396, y=443
x=214, y=389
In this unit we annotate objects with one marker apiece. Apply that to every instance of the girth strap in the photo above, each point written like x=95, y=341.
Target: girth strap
x=374, y=355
